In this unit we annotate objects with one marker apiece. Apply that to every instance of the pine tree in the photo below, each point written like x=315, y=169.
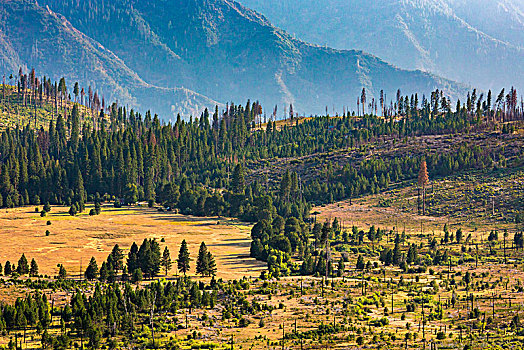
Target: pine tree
x=238, y=183
x=132, y=258
x=183, y=258
x=154, y=258
x=202, y=265
x=92, y=269
x=285, y=185
x=212, y=266
x=458, y=236
x=23, y=265
x=73, y=210
x=76, y=91
x=137, y=276
x=360, y=263
x=62, y=273
x=75, y=126
x=8, y=269
x=103, y=272
x=397, y=254
x=165, y=261
x=117, y=258
x=34, y=268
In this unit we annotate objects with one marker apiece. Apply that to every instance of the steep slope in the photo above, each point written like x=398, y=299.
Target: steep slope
x=483, y=48
x=9, y=59
x=501, y=19
x=34, y=36
x=228, y=52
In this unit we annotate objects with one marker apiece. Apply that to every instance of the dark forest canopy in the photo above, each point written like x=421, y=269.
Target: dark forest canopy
x=199, y=165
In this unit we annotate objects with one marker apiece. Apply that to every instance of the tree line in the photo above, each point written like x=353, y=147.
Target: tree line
x=147, y=261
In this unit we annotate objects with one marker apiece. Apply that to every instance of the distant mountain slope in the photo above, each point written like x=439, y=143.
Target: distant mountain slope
x=142, y=50
x=33, y=36
x=501, y=19
x=477, y=42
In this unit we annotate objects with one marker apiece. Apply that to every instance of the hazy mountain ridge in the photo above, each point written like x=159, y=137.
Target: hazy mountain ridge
x=53, y=46
x=154, y=54
x=502, y=19
x=477, y=42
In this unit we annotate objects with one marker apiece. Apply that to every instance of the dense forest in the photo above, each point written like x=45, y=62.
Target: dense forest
x=198, y=166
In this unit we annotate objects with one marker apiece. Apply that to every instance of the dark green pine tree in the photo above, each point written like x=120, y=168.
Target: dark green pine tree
x=202, y=265
x=104, y=272
x=165, y=261
x=239, y=182
x=75, y=127
x=154, y=258
x=360, y=263
x=23, y=265
x=183, y=258
x=285, y=185
x=143, y=257
x=117, y=258
x=33, y=271
x=92, y=269
x=211, y=265
x=397, y=254
x=80, y=195
x=132, y=259
x=62, y=273
x=73, y=210
x=149, y=188
x=8, y=269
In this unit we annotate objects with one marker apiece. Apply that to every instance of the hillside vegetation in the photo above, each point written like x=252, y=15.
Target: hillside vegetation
x=34, y=111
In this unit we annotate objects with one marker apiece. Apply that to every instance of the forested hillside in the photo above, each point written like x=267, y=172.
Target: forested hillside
x=200, y=166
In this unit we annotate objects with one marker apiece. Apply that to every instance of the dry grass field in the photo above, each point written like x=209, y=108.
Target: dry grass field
x=476, y=203
x=74, y=240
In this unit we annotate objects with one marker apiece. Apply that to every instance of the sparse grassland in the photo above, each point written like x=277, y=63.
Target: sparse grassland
x=474, y=301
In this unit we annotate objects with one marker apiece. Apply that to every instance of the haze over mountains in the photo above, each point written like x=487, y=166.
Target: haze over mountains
x=184, y=55
x=478, y=42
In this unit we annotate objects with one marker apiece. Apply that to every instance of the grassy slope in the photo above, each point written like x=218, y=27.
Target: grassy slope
x=13, y=111
x=465, y=194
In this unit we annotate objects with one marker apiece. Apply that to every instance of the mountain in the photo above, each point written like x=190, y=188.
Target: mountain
x=478, y=42
x=500, y=19
x=34, y=36
x=185, y=54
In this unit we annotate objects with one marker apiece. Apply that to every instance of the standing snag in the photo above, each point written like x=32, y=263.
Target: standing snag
x=423, y=180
